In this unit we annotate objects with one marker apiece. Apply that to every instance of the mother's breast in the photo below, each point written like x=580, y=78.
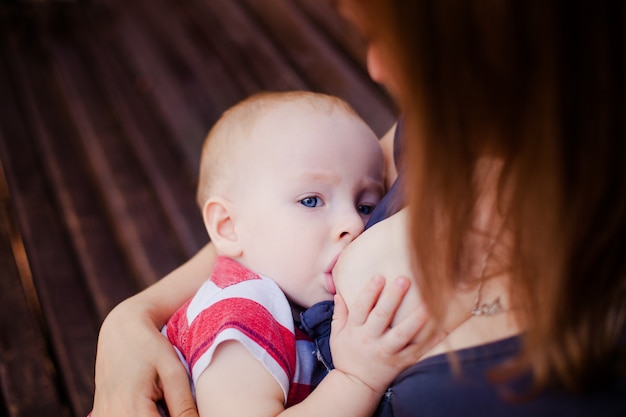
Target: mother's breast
x=382, y=249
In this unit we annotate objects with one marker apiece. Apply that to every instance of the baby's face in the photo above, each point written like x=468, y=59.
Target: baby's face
x=310, y=180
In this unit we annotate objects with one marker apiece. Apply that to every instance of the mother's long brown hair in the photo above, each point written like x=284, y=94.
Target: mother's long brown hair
x=539, y=84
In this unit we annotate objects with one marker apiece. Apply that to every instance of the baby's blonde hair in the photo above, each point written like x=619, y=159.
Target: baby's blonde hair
x=236, y=126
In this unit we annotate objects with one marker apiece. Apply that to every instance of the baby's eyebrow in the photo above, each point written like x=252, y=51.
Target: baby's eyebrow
x=320, y=176
x=377, y=183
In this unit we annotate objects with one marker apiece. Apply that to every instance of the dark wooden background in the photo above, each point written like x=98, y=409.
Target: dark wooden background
x=104, y=105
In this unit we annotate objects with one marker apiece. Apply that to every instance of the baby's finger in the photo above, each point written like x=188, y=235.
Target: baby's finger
x=383, y=313
x=366, y=300
x=404, y=332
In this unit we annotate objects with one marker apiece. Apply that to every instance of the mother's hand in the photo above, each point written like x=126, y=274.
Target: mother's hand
x=136, y=366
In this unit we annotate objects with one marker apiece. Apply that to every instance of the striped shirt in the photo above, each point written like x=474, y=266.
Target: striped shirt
x=238, y=304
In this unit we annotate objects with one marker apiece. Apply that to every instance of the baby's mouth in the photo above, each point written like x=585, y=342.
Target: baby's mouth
x=330, y=282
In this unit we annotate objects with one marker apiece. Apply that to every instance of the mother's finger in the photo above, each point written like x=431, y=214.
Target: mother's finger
x=177, y=391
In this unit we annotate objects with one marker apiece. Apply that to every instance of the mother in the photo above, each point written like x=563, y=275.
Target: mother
x=514, y=134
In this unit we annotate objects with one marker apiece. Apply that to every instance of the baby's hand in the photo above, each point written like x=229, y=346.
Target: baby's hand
x=363, y=344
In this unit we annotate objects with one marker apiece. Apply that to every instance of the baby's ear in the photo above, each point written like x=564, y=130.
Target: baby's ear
x=221, y=227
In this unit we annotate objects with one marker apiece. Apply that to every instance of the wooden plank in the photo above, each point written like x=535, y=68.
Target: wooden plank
x=27, y=374
x=143, y=230
x=54, y=198
x=197, y=68
x=103, y=264
x=210, y=52
x=324, y=15
x=37, y=186
x=187, y=120
x=320, y=62
x=69, y=314
x=242, y=46
x=173, y=181
x=172, y=62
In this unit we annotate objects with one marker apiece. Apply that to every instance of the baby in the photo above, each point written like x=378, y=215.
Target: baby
x=287, y=181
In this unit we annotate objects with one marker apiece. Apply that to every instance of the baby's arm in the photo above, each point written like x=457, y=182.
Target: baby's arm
x=135, y=364
x=370, y=355
x=237, y=384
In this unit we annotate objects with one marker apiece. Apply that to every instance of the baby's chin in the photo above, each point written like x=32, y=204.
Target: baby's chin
x=310, y=303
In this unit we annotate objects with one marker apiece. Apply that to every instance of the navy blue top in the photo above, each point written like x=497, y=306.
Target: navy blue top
x=431, y=388
x=393, y=201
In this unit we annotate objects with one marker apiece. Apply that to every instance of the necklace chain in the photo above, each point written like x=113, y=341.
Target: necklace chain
x=486, y=309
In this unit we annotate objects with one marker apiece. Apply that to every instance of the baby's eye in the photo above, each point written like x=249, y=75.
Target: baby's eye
x=312, y=201
x=365, y=209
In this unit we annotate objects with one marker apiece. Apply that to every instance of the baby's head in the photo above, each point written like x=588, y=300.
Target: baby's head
x=287, y=180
